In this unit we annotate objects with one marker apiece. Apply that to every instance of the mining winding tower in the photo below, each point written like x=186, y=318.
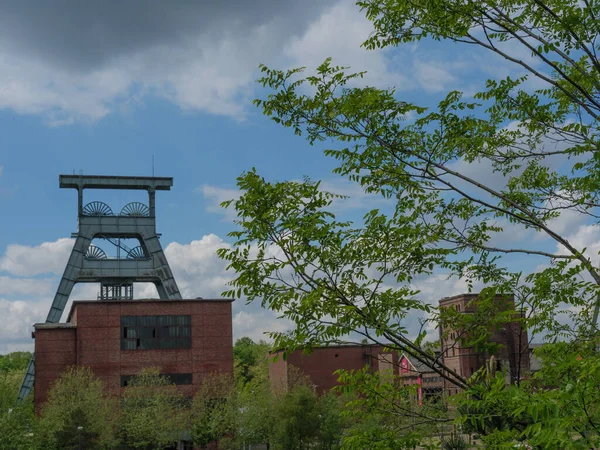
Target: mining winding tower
x=114, y=334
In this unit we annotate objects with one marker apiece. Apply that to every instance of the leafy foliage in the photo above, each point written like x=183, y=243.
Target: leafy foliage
x=15, y=361
x=153, y=413
x=455, y=442
x=16, y=419
x=77, y=399
x=215, y=412
x=537, y=155
x=247, y=357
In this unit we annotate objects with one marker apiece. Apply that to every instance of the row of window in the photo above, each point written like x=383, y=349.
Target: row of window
x=432, y=380
x=155, y=332
x=175, y=378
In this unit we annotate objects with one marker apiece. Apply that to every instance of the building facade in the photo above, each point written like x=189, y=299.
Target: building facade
x=513, y=356
x=320, y=365
x=512, y=342
x=185, y=339
x=412, y=372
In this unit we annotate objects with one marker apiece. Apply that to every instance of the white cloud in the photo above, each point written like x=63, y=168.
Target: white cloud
x=434, y=287
x=214, y=196
x=256, y=324
x=18, y=318
x=585, y=236
x=433, y=76
x=357, y=198
x=48, y=257
x=197, y=269
x=339, y=33
x=204, y=58
x=25, y=286
x=204, y=70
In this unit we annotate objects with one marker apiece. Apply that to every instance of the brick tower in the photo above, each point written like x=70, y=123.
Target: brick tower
x=512, y=355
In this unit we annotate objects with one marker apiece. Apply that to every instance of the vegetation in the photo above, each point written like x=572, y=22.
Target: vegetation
x=153, y=414
x=532, y=142
x=77, y=408
x=16, y=420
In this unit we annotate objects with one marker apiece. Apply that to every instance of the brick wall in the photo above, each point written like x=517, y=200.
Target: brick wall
x=55, y=350
x=514, y=347
x=321, y=364
x=96, y=343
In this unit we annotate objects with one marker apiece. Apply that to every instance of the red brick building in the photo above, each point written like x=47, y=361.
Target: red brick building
x=186, y=339
x=513, y=351
x=321, y=364
x=513, y=355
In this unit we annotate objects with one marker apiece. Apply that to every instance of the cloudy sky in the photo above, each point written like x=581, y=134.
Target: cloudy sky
x=108, y=87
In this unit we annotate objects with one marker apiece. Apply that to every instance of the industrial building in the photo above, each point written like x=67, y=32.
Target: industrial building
x=513, y=345
x=186, y=339
x=513, y=354
x=321, y=364
x=116, y=335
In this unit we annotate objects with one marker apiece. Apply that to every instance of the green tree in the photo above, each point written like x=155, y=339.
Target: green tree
x=332, y=423
x=16, y=361
x=215, y=413
x=77, y=407
x=249, y=356
x=17, y=420
x=382, y=411
x=332, y=278
x=297, y=419
x=257, y=409
x=153, y=412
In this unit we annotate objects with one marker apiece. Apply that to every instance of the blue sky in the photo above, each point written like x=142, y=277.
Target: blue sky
x=103, y=90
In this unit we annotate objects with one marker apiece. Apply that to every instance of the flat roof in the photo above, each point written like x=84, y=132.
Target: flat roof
x=52, y=326
x=469, y=295
x=348, y=345
x=141, y=300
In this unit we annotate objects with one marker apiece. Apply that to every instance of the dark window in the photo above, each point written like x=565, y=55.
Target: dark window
x=175, y=378
x=179, y=378
x=125, y=380
x=155, y=332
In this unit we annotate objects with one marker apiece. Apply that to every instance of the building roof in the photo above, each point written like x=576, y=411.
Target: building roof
x=471, y=295
x=141, y=300
x=343, y=345
x=52, y=326
x=417, y=365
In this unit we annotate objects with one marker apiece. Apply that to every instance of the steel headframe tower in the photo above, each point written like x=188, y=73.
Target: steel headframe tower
x=89, y=263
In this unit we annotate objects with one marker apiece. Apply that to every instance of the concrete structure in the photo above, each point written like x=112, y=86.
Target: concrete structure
x=117, y=339
x=512, y=354
x=321, y=364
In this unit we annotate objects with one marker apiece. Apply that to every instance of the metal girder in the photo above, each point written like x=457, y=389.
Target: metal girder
x=115, y=182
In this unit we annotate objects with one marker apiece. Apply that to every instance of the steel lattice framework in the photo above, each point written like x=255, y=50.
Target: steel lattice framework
x=89, y=263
